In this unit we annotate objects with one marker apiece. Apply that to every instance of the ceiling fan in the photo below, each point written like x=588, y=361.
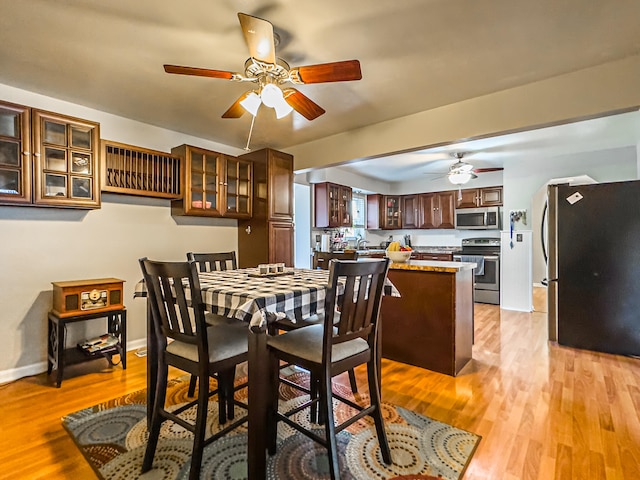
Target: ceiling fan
x=461, y=172
x=270, y=73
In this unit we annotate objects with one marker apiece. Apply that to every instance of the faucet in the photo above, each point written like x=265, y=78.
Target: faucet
x=360, y=243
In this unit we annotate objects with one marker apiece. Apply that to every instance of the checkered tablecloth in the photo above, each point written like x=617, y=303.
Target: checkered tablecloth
x=237, y=294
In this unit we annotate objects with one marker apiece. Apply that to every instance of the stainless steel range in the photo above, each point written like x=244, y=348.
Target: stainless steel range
x=487, y=278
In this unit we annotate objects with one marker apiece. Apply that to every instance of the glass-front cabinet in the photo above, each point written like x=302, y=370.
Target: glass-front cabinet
x=50, y=161
x=15, y=155
x=216, y=185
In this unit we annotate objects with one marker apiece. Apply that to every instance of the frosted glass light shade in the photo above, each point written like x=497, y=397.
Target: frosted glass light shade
x=460, y=178
x=251, y=103
x=271, y=95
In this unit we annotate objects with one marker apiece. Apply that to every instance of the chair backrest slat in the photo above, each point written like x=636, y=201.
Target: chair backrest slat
x=177, y=313
x=321, y=259
x=359, y=303
x=213, y=262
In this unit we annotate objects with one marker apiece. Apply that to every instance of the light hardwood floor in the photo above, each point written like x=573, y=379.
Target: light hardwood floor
x=544, y=411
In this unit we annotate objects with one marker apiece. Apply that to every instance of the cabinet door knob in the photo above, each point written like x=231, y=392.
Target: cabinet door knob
x=26, y=153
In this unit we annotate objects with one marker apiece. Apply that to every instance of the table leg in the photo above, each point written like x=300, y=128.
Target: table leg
x=60, y=352
x=258, y=391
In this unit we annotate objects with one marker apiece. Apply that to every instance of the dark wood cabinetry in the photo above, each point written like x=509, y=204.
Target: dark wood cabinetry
x=440, y=257
x=437, y=210
x=48, y=159
x=215, y=185
x=384, y=211
x=267, y=237
x=392, y=212
x=480, y=197
x=411, y=211
x=332, y=203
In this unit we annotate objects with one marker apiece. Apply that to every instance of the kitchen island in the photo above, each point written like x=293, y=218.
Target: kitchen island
x=431, y=324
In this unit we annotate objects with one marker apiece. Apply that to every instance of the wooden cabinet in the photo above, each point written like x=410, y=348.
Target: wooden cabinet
x=267, y=237
x=132, y=170
x=15, y=154
x=392, y=212
x=437, y=210
x=332, y=205
x=440, y=257
x=51, y=160
x=374, y=204
x=411, y=211
x=480, y=197
x=66, y=161
x=215, y=185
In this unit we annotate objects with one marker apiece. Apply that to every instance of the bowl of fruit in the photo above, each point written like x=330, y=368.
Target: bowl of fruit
x=398, y=253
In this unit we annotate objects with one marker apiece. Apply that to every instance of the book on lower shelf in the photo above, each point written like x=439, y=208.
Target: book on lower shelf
x=103, y=344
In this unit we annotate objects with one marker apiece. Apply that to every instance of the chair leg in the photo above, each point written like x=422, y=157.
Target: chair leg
x=192, y=385
x=326, y=397
x=156, y=418
x=374, y=393
x=314, y=415
x=222, y=397
x=352, y=381
x=230, y=398
x=201, y=422
x=273, y=395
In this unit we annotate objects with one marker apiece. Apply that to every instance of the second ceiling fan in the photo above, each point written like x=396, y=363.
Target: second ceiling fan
x=270, y=73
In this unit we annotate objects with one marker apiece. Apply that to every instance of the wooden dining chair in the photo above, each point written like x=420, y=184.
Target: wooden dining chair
x=213, y=262
x=187, y=342
x=344, y=340
x=321, y=259
x=210, y=262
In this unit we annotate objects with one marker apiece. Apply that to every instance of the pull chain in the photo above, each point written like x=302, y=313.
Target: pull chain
x=253, y=119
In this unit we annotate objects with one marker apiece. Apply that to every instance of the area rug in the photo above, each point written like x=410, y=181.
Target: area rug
x=112, y=436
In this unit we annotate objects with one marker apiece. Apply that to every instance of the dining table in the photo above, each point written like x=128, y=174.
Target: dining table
x=255, y=298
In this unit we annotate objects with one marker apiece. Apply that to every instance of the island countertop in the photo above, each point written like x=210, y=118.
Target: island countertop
x=433, y=266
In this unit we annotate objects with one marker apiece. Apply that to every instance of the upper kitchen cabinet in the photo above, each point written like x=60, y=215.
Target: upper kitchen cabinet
x=437, y=210
x=480, y=197
x=48, y=159
x=332, y=205
x=215, y=185
x=15, y=154
x=411, y=211
x=384, y=212
x=267, y=237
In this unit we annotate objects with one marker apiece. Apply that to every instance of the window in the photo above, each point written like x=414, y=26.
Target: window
x=358, y=202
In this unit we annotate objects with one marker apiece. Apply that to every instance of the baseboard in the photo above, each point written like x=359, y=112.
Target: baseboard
x=37, y=368
x=20, y=372
x=536, y=284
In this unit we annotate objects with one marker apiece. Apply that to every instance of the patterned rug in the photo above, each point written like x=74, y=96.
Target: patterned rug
x=113, y=435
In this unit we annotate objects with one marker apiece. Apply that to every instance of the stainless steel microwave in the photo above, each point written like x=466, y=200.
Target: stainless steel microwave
x=484, y=218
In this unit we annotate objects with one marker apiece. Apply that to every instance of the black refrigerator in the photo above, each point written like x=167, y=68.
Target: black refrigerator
x=594, y=266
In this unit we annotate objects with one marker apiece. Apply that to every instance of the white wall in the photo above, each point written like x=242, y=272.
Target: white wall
x=43, y=245
x=524, y=177
x=302, y=225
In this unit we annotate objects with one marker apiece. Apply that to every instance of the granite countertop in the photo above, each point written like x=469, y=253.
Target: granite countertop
x=433, y=266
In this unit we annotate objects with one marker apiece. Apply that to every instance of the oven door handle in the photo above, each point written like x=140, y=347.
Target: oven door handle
x=486, y=257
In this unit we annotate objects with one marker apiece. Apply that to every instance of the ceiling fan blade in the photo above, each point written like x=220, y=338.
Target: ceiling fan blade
x=198, y=72
x=236, y=110
x=303, y=104
x=489, y=169
x=328, y=72
x=258, y=34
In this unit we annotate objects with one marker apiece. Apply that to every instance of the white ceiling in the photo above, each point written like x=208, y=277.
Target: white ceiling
x=603, y=133
x=416, y=55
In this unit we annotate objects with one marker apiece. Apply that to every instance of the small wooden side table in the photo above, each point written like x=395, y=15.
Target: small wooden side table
x=59, y=356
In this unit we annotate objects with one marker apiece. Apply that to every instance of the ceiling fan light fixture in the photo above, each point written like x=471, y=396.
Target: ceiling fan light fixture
x=282, y=109
x=460, y=178
x=273, y=97
x=251, y=103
